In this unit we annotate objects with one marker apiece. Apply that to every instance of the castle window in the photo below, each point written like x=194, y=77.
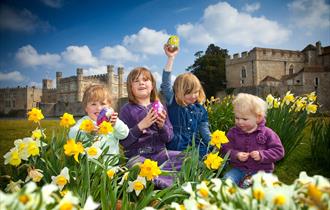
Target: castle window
x=243, y=72
x=316, y=81
x=291, y=69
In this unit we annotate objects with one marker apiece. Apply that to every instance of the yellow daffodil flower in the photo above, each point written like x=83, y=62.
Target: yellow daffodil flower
x=87, y=126
x=218, y=138
x=149, y=169
x=311, y=108
x=137, y=185
x=213, y=161
x=12, y=157
x=72, y=148
x=35, y=115
x=62, y=179
x=105, y=128
x=67, y=120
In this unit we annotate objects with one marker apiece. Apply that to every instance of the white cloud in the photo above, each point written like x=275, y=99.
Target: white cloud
x=146, y=41
x=11, y=76
x=53, y=3
x=80, y=55
x=118, y=53
x=249, y=8
x=21, y=21
x=221, y=23
x=29, y=56
x=95, y=70
x=310, y=14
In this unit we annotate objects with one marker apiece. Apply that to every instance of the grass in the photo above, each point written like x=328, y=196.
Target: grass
x=287, y=170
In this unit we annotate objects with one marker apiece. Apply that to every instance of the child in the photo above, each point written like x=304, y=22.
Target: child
x=149, y=131
x=254, y=147
x=97, y=97
x=187, y=115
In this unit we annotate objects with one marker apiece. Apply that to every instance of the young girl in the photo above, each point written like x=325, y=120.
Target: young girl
x=97, y=97
x=149, y=131
x=187, y=115
x=254, y=147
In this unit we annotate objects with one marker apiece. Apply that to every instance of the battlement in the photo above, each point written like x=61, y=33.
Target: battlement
x=97, y=76
x=18, y=88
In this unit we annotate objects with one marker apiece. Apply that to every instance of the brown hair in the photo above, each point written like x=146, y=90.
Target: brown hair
x=133, y=75
x=185, y=84
x=96, y=93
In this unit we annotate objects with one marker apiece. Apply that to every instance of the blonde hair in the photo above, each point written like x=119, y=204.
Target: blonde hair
x=133, y=75
x=185, y=84
x=245, y=102
x=96, y=93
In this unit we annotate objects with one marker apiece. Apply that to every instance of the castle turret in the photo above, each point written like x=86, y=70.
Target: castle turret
x=110, y=77
x=80, y=78
x=120, y=81
x=47, y=84
x=58, y=78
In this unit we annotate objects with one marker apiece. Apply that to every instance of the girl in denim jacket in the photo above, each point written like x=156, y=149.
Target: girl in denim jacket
x=187, y=115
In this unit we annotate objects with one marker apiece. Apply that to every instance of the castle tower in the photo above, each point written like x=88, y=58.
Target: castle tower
x=120, y=81
x=47, y=84
x=58, y=78
x=80, y=78
x=110, y=77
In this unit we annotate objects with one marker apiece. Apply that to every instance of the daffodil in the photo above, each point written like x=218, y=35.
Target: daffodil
x=69, y=201
x=124, y=178
x=218, y=138
x=111, y=172
x=34, y=174
x=105, y=128
x=288, y=98
x=149, y=169
x=62, y=179
x=213, y=161
x=94, y=151
x=37, y=134
x=90, y=204
x=87, y=126
x=47, y=191
x=72, y=148
x=12, y=157
x=311, y=97
x=35, y=115
x=311, y=108
x=67, y=120
x=137, y=185
x=258, y=193
x=202, y=190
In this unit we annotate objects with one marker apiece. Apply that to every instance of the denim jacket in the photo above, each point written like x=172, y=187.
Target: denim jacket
x=187, y=121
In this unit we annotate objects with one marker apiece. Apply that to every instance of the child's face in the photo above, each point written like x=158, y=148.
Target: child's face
x=93, y=108
x=141, y=87
x=191, y=98
x=247, y=122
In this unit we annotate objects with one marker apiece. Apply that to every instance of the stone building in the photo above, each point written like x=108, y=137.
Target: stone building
x=18, y=101
x=68, y=94
x=263, y=70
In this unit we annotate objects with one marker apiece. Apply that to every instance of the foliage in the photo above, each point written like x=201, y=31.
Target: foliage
x=320, y=142
x=220, y=113
x=210, y=69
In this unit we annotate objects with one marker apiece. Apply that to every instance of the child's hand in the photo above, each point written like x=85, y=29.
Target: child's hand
x=169, y=53
x=255, y=155
x=113, y=118
x=148, y=120
x=242, y=156
x=161, y=119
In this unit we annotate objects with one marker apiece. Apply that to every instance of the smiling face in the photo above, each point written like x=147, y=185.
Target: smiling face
x=141, y=87
x=191, y=98
x=93, y=108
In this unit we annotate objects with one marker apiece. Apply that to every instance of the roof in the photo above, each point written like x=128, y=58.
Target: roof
x=270, y=79
x=309, y=47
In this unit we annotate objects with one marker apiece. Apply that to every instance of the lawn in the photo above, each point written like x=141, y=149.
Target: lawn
x=287, y=170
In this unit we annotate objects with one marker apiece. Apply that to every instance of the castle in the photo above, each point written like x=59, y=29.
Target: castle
x=262, y=71
x=67, y=95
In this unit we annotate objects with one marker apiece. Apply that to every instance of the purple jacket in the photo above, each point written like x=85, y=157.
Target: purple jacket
x=264, y=139
x=146, y=143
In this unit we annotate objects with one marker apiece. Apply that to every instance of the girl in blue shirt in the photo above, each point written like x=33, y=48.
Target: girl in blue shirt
x=186, y=112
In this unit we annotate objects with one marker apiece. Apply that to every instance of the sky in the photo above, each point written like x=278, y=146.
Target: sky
x=40, y=37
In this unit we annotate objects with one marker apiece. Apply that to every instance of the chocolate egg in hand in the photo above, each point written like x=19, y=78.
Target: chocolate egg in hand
x=157, y=106
x=173, y=43
x=105, y=115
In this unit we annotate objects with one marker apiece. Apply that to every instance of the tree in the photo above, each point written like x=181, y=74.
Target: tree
x=210, y=69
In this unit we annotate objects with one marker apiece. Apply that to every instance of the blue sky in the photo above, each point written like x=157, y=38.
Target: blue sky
x=40, y=37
